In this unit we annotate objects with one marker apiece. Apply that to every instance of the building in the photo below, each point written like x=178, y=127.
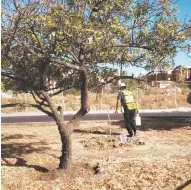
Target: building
x=154, y=77
x=181, y=72
x=178, y=74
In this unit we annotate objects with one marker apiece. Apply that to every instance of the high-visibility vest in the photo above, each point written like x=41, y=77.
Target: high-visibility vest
x=129, y=100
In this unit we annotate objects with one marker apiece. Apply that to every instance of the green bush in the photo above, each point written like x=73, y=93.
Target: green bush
x=185, y=89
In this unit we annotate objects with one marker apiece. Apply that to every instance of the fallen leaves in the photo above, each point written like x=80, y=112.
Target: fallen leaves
x=162, y=162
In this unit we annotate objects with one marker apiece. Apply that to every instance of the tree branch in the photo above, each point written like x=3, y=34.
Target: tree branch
x=114, y=79
x=55, y=113
x=55, y=60
x=18, y=104
x=133, y=45
x=39, y=107
x=13, y=77
x=45, y=111
x=41, y=103
x=40, y=45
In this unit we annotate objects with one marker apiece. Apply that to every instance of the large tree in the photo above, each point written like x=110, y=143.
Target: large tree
x=64, y=40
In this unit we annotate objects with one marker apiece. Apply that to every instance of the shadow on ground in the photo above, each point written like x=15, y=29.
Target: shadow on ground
x=159, y=124
x=11, y=150
x=15, y=136
x=146, y=125
x=17, y=150
x=93, y=132
x=186, y=185
x=20, y=162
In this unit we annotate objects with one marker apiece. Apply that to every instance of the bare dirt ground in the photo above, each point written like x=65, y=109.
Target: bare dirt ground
x=158, y=158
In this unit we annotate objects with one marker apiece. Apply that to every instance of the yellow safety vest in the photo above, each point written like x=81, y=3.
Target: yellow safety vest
x=129, y=100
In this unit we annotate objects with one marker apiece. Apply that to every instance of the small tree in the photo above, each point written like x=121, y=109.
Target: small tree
x=63, y=40
x=182, y=74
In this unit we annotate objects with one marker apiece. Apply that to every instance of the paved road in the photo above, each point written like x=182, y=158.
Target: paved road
x=28, y=117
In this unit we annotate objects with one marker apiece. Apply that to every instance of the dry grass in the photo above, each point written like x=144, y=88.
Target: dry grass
x=155, y=98
x=163, y=163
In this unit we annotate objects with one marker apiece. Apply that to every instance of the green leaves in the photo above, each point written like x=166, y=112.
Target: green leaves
x=88, y=33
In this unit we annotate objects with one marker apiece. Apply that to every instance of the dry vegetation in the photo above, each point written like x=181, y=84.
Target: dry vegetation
x=155, y=98
x=30, y=155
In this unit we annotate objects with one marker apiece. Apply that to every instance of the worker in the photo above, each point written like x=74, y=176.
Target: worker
x=126, y=99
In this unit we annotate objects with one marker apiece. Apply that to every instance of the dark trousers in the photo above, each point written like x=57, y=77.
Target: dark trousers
x=129, y=122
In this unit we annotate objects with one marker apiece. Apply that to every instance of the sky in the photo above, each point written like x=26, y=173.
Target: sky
x=184, y=7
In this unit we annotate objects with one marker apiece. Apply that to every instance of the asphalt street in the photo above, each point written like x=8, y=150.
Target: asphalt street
x=99, y=115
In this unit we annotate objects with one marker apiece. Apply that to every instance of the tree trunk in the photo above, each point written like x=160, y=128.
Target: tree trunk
x=65, y=133
x=66, y=155
x=66, y=130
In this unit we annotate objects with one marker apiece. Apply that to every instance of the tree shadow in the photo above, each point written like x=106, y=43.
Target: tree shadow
x=16, y=136
x=159, y=124
x=12, y=150
x=23, y=163
x=17, y=150
x=93, y=132
x=186, y=184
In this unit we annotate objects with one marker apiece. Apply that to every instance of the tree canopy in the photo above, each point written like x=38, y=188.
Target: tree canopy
x=52, y=37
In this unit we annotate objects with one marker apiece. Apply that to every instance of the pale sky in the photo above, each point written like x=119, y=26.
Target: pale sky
x=184, y=8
